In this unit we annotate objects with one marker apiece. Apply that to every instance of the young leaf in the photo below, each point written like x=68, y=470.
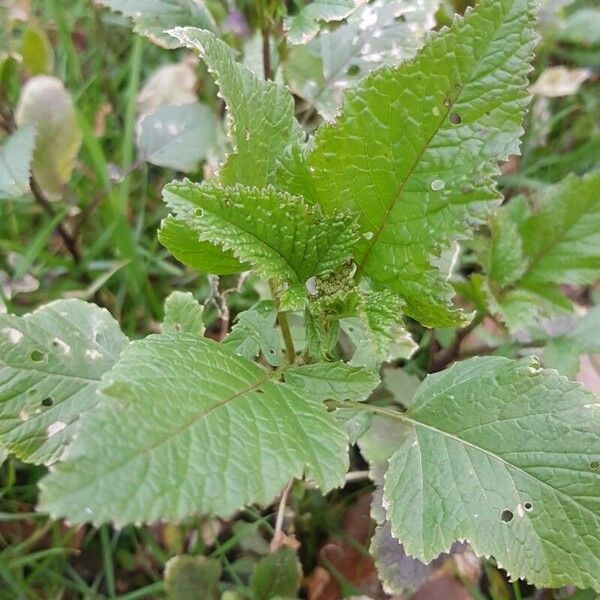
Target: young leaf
x=333, y=381
x=182, y=242
x=178, y=137
x=260, y=113
x=186, y=425
x=509, y=454
x=277, y=575
x=378, y=333
x=302, y=27
x=51, y=363
x=532, y=253
x=254, y=331
x=153, y=17
x=416, y=148
x=278, y=234
x=15, y=158
x=562, y=240
x=183, y=313
x=48, y=106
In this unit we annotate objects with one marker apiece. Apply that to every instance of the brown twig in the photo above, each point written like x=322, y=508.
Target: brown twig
x=68, y=240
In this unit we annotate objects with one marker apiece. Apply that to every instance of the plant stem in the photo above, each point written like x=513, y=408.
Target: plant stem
x=69, y=241
x=266, y=47
x=278, y=532
x=284, y=325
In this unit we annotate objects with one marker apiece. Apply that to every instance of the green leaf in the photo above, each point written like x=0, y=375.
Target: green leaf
x=508, y=453
x=183, y=314
x=51, y=363
x=563, y=352
x=416, y=155
x=282, y=237
x=260, y=113
x=192, y=578
x=334, y=381
x=254, y=331
x=183, y=243
x=178, y=137
x=382, y=32
x=152, y=18
x=277, y=575
x=303, y=26
x=378, y=333
x=505, y=260
x=534, y=253
x=15, y=159
x=187, y=425
x=582, y=27
x=562, y=240
x=48, y=106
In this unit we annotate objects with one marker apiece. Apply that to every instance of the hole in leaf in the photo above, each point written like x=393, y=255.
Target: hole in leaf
x=353, y=70
x=177, y=327
x=506, y=516
x=271, y=351
x=37, y=356
x=259, y=391
x=199, y=212
x=594, y=465
x=455, y=118
x=48, y=401
x=527, y=506
x=400, y=19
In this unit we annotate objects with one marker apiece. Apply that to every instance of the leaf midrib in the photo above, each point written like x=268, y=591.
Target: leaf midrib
x=197, y=417
x=444, y=116
x=509, y=465
x=555, y=242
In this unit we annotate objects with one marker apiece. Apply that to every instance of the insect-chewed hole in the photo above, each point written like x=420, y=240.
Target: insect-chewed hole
x=260, y=391
x=527, y=505
x=37, y=356
x=48, y=401
x=353, y=70
x=506, y=516
x=455, y=118
x=594, y=465
x=177, y=327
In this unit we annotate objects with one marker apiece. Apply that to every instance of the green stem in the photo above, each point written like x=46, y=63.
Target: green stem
x=284, y=325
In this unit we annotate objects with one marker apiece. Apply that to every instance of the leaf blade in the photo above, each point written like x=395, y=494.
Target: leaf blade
x=214, y=431
x=427, y=164
x=534, y=435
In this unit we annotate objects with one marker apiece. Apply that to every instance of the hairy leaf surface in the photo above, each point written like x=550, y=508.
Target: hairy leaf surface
x=281, y=236
x=415, y=150
x=186, y=425
x=183, y=243
x=504, y=455
x=260, y=113
x=51, y=363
